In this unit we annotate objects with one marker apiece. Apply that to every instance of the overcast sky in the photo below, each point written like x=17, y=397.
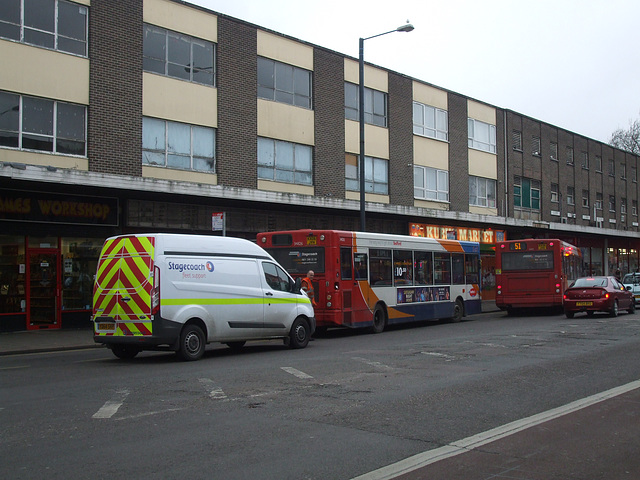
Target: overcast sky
x=571, y=63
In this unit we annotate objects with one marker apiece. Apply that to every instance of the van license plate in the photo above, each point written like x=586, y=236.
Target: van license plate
x=312, y=240
x=584, y=304
x=106, y=326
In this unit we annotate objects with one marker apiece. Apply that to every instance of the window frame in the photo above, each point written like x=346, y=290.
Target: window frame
x=440, y=117
x=168, y=150
x=372, y=167
x=439, y=194
x=276, y=90
x=487, y=182
x=477, y=144
x=533, y=193
x=279, y=166
x=371, y=98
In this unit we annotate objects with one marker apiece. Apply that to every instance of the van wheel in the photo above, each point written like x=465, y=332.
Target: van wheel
x=235, y=345
x=124, y=352
x=300, y=333
x=379, y=320
x=192, y=343
x=458, y=312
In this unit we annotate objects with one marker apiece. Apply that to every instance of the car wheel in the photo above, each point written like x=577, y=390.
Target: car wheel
x=614, y=310
x=124, y=352
x=379, y=320
x=300, y=333
x=192, y=343
x=632, y=307
x=569, y=314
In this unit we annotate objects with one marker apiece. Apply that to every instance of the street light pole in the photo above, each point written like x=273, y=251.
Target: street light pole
x=404, y=28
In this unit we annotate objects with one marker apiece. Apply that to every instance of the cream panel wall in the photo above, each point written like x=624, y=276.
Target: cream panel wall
x=373, y=77
x=181, y=18
x=285, y=50
x=43, y=159
x=483, y=164
x=179, y=175
x=172, y=99
x=430, y=153
x=376, y=139
x=483, y=210
x=368, y=197
x=432, y=205
x=285, y=187
x=482, y=112
x=44, y=73
x=285, y=122
x=430, y=95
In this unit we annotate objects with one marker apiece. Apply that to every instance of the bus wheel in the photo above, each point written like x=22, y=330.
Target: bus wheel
x=124, y=352
x=300, y=333
x=614, y=310
x=458, y=312
x=379, y=320
x=192, y=343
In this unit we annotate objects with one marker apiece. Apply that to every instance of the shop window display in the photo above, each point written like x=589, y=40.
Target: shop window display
x=12, y=275
x=79, y=263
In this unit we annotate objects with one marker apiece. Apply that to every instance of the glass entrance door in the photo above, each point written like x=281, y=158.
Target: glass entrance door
x=43, y=300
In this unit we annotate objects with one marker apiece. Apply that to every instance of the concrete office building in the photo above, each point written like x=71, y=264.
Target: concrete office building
x=156, y=115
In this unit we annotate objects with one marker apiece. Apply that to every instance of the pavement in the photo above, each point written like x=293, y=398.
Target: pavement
x=36, y=341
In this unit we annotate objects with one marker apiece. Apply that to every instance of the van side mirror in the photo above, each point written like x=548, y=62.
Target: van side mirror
x=297, y=285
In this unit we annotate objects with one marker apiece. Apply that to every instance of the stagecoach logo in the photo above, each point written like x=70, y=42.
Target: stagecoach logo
x=210, y=266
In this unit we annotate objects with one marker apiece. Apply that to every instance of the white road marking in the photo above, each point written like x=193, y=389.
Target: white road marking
x=461, y=446
x=146, y=414
x=110, y=407
x=372, y=363
x=14, y=368
x=448, y=358
x=214, y=392
x=296, y=372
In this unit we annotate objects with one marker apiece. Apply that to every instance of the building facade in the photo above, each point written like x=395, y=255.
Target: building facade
x=157, y=115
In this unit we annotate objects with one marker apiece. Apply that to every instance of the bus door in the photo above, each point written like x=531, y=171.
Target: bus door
x=348, y=284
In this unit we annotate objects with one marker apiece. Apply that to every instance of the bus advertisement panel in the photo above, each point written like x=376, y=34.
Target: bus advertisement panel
x=534, y=272
x=374, y=280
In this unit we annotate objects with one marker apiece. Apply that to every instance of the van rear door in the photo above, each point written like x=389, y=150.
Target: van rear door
x=123, y=287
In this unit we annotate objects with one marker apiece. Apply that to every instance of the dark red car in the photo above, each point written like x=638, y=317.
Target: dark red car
x=597, y=294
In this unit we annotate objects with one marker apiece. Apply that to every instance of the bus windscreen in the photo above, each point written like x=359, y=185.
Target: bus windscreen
x=527, y=260
x=299, y=260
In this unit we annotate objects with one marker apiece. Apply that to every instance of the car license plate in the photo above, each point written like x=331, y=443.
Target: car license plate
x=584, y=304
x=312, y=240
x=107, y=326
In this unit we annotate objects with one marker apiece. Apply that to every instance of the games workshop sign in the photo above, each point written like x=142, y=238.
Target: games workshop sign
x=44, y=207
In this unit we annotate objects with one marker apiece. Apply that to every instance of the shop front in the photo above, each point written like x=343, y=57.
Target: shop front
x=487, y=238
x=48, y=263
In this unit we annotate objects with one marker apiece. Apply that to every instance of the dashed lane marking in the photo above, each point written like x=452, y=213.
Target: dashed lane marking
x=295, y=372
x=110, y=407
x=215, y=392
x=372, y=363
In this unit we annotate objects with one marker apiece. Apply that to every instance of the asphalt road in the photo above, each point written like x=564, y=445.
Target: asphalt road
x=346, y=405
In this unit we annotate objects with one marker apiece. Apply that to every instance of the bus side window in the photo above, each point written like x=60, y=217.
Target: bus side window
x=471, y=269
x=423, y=268
x=457, y=260
x=381, y=268
x=345, y=263
x=442, y=268
x=360, y=261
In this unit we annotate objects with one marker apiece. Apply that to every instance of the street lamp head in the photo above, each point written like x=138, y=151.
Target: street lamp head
x=407, y=27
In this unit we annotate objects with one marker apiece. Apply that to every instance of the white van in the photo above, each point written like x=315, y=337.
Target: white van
x=180, y=292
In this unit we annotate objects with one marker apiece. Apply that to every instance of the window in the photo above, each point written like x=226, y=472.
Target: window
x=623, y=171
x=554, y=151
x=585, y=198
x=571, y=196
x=634, y=208
x=284, y=161
x=585, y=160
x=376, y=174
x=517, y=140
x=179, y=56
x=612, y=203
x=430, y=121
x=569, y=155
x=482, y=136
x=442, y=268
x=535, y=146
x=375, y=105
x=178, y=145
x=380, y=267
x=634, y=174
x=554, y=192
x=276, y=277
x=402, y=267
x=598, y=204
x=284, y=83
x=482, y=192
x=430, y=183
x=31, y=123
x=612, y=168
x=598, y=163
x=526, y=193
x=423, y=262
x=623, y=206
x=55, y=24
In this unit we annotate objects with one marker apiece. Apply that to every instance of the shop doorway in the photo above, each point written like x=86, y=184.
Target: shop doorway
x=43, y=296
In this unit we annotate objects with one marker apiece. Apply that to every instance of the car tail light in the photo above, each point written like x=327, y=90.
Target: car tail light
x=155, y=292
x=605, y=294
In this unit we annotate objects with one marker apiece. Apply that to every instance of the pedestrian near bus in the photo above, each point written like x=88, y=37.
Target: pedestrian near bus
x=307, y=286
